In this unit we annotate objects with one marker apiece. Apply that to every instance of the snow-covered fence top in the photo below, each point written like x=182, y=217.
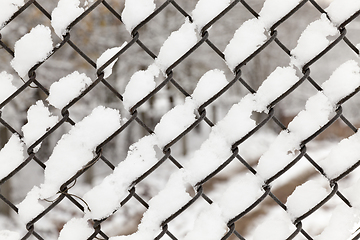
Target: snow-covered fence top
x=209, y=119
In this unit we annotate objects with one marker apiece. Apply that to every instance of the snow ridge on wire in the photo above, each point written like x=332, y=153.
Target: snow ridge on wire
x=284, y=147
x=83, y=147
x=33, y=48
x=174, y=47
x=60, y=167
x=14, y=147
x=162, y=63
x=115, y=186
x=215, y=151
x=326, y=105
x=8, y=8
x=129, y=101
x=252, y=34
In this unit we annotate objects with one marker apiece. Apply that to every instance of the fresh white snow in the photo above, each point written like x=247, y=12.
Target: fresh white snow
x=246, y=187
x=142, y=154
x=9, y=235
x=175, y=122
x=209, y=84
x=7, y=88
x=136, y=11
x=342, y=157
x=71, y=153
x=165, y=203
x=8, y=8
x=340, y=10
x=237, y=122
x=76, y=229
x=277, y=83
x=135, y=236
x=352, y=194
x=344, y=80
x=30, y=207
x=316, y=114
x=318, y=110
x=273, y=10
x=206, y=10
x=39, y=121
x=305, y=197
x=213, y=218
x=176, y=45
x=341, y=83
x=106, y=56
x=209, y=225
x=77, y=147
x=140, y=84
x=104, y=198
x=67, y=88
x=312, y=41
x=249, y=37
x=341, y=224
x=212, y=153
x=31, y=49
x=64, y=14
x=274, y=228
x=216, y=149
x=87, y=3
x=11, y=155
x=280, y=153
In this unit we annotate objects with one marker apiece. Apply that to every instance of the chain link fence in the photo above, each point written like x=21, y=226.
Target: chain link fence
x=256, y=149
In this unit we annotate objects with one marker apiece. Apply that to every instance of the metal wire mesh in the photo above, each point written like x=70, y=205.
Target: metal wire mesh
x=142, y=45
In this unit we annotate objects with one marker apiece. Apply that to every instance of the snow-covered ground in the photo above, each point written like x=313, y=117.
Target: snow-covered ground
x=253, y=226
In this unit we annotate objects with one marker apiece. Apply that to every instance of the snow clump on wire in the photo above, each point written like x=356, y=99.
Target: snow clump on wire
x=106, y=56
x=135, y=12
x=34, y=47
x=64, y=14
x=67, y=88
x=8, y=8
x=7, y=88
